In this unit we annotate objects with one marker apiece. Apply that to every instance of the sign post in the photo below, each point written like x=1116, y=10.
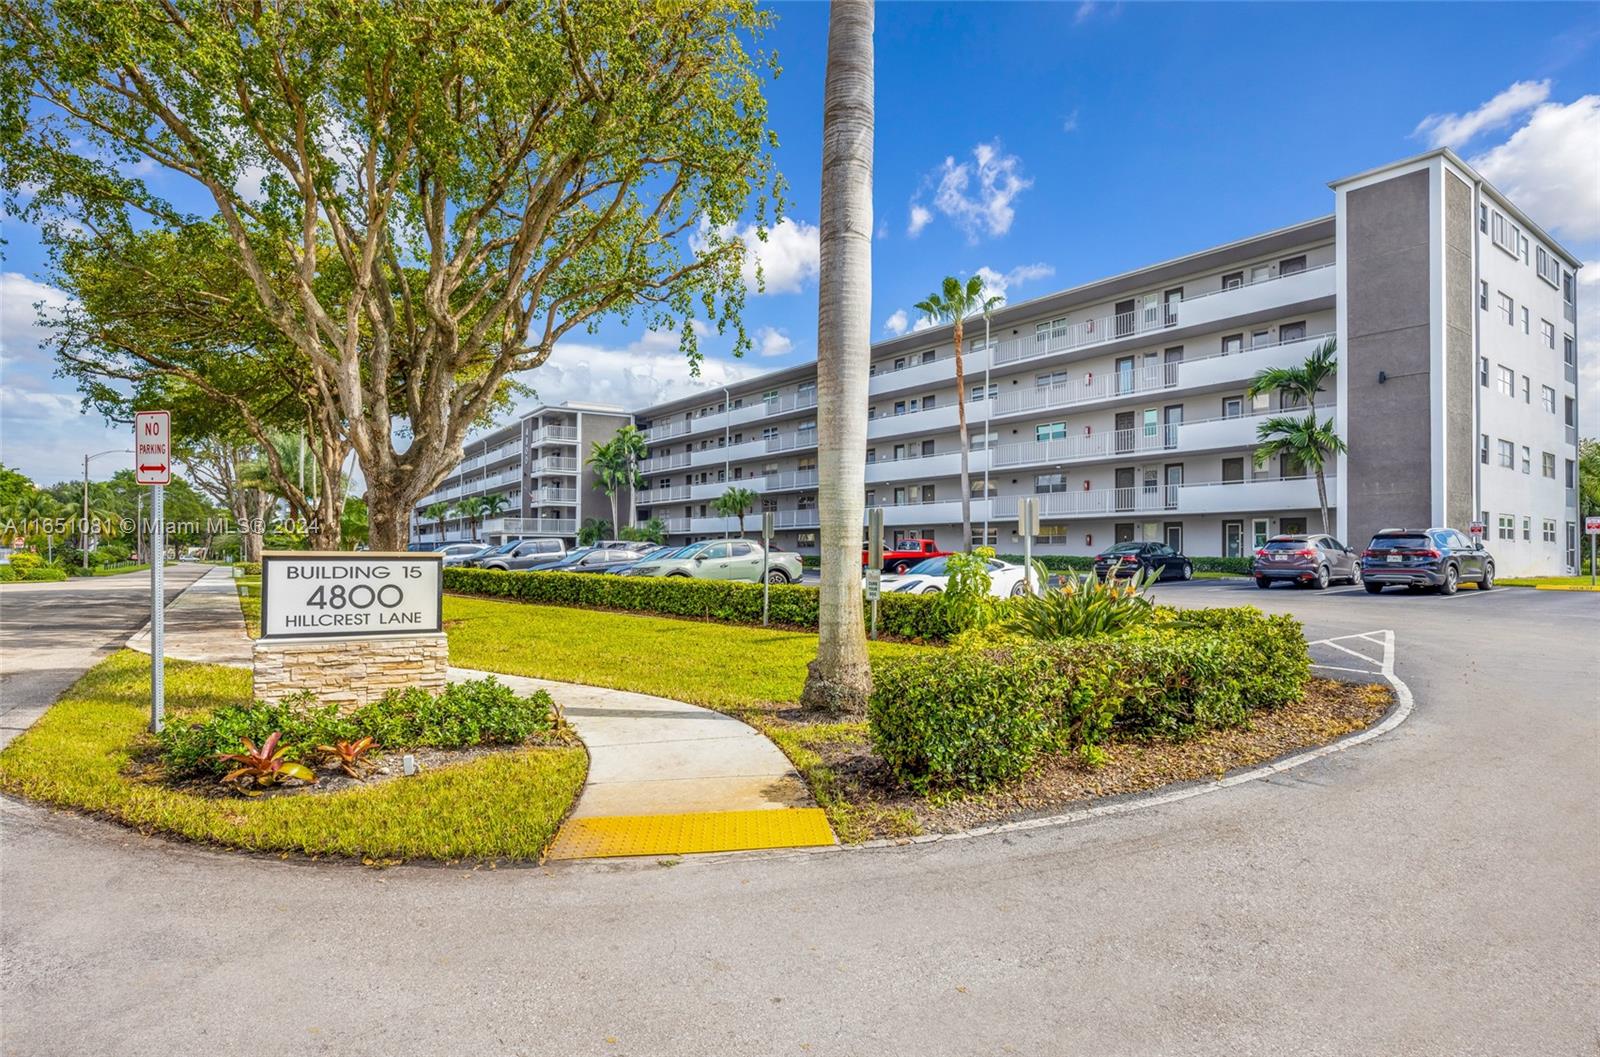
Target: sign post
x=152, y=466
x=874, y=562
x=1476, y=529
x=1028, y=525
x=768, y=519
x=1591, y=528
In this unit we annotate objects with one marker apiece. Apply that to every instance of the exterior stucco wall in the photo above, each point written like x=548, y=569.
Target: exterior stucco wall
x=1460, y=387
x=1388, y=268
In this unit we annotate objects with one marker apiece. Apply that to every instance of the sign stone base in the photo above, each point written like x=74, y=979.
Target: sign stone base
x=349, y=672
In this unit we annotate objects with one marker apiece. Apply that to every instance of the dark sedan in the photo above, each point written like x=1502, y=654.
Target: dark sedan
x=594, y=560
x=1316, y=559
x=1131, y=559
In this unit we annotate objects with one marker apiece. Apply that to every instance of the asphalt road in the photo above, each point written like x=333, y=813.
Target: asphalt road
x=50, y=633
x=1429, y=892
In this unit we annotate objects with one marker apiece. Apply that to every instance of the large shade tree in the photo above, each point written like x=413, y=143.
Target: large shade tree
x=840, y=679
x=952, y=304
x=422, y=198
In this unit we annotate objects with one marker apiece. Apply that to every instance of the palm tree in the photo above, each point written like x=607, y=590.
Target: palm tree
x=1305, y=381
x=592, y=531
x=953, y=305
x=472, y=508
x=633, y=447
x=840, y=678
x=652, y=531
x=437, y=513
x=735, y=502
x=610, y=464
x=1305, y=440
x=495, y=504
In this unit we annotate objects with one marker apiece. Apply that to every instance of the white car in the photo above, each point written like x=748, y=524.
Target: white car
x=929, y=577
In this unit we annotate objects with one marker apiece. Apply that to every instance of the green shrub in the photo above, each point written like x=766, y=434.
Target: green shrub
x=44, y=574
x=8, y=575
x=24, y=562
x=965, y=601
x=477, y=712
x=248, y=568
x=1056, y=563
x=1081, y=607
x=792, y=605
x=969, y=718
x=1235, y=566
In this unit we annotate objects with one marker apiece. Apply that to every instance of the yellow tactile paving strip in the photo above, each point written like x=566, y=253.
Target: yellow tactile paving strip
x=706, y=831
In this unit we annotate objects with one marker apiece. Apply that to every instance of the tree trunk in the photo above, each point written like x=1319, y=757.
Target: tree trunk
x=840, y=679
x=961, y=416
x=614, y=513
x=1322, y=499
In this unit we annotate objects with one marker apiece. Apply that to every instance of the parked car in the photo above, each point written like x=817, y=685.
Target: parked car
x=490, y=550
x=452, y=550
x=596, y=559
x=932, y=576
x=528, y=554
x=905, y=553
x=1433, y=557
x=1316, y=559
x=1131, y=559
x=722, y=560
x=657, y=550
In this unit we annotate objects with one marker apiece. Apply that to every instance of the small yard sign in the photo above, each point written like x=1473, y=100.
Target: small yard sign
x=1591, y=525
x=1476, y=528
x=341, y=594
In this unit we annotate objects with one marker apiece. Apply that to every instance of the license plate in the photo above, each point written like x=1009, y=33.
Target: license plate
x=1394, y=559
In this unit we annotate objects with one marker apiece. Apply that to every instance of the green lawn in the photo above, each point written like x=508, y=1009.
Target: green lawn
x=85, y=753
x=249, y=588
x=725, y=666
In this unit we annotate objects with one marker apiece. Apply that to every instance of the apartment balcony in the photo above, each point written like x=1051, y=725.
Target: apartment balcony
x=672, y=494
x=926, y=420
x=913, y=465
x=670, y=429
x=783, y=481
x=795, y=519
x=1183, y=438
x=921, y=375
x=1217, y=497
x=554, y=435
x=1161, y=378
x=800, y=440
x=659, y=463
x=530, y=526
x=1157, y=318
x=557, y=496
x=556, y=464
x=677, y=526
x=796, y=401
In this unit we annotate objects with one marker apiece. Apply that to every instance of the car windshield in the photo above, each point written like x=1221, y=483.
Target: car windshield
x=681, y=552
x=1126, y=548
x=1407, y=541
x=929, y=567
x=1287, y=545
x=503, y=548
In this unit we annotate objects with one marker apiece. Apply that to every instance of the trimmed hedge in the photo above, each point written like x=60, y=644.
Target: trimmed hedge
x=36, y=574
x=733, y=602
x=8, y=575
x=248, y=568
x=974, y=718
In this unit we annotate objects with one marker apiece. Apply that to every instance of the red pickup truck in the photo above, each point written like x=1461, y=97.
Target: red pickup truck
x=905, y=554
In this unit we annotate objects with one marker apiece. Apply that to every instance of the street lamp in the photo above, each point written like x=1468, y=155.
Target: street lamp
x=83, y=533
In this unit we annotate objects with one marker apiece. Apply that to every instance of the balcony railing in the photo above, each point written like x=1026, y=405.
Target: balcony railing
x=797, y=401
x=561, y=496
x=556, y=464
x=783, y=480
x=658, y=463
x=795, y=519
x=515, y=526
x=668, y=430
x=671, y=494
x=796, y=441
x=554, y=435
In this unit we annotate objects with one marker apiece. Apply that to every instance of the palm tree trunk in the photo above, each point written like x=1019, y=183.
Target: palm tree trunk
x=839, y=679
x=1322, y=498
x=961, y=416
x=614, y=514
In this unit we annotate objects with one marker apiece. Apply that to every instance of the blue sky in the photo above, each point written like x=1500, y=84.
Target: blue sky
x=1049, y=144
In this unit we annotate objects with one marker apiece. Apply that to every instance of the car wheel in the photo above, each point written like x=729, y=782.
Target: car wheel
x=1487, y=583
x=777, y=576
x=901, y=568
x=1019, y=589
x=933, y=590
x=1188, y=571
x=1373, y=588
x=1263, y=583
x=1355, y=576
x=1451, y=580
x=1321, y=582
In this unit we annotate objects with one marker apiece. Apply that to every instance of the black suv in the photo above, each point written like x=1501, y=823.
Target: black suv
x=1433, y=557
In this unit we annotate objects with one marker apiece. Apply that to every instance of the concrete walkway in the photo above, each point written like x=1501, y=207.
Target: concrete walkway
x=204, y=624
x=665, y=777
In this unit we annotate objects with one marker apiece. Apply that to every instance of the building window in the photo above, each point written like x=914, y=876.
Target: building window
x=1506, y=525
x=978, y=392
x=1045, y=483
x=1051, y=534
x=1232, y=343
x=899, y=407
x=1506, y=235
x=1483, y=449
x=1527, y=460
x=1506, y=381
x=1548, y=396
x=1572, y=476
x=1292, y=332
x=1549, y=532
x=1569, y=297
x=978, y=490
x=1233, y=280
x=1483, y=217
x=1548, y=461
x=1549, y=268
x=1050, y=431
x=1527, y=529
x=1527, y=390
x=1483, y=371
x=1483, y=294
x=982, y=537
x=1547, y=330
x=1508, y=454
x=1233, y=471
x=1233, y=406
x=982, y=441
x=1050, y=379
x=805, y=539
x=1508, y=310
x=1526, y=328
x=1569, y=351
x=1292, y=265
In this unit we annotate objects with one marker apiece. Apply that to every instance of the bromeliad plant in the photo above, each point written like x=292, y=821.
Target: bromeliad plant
x=264, y=766
x=1085, y=606
x=350, y=755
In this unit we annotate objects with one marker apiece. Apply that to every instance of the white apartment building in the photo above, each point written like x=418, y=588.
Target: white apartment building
x=537, y=464
x=1121, y=403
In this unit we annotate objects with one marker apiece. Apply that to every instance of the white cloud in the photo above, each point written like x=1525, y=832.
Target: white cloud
x=1456, y=130
x=772, y=341
x=997, y=283
x=922, y=323
x=789, y=257
x=1070, y=122
x=896, y=324
x=976, y=196
x=1551, y=167
x=1588, y=342
x=641, y=373
x=883, y=229
x=921, y=217
x=45, y=435
x=1084, y=12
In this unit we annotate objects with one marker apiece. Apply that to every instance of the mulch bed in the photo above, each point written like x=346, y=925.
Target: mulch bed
x=1330, y=710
